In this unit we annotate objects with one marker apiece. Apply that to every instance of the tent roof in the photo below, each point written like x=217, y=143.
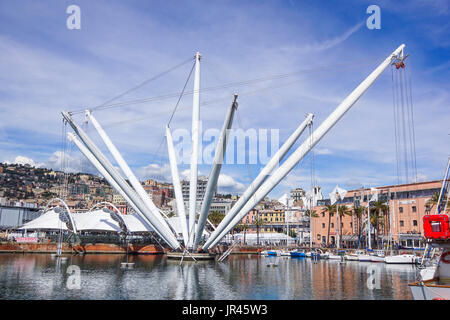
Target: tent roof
x=49, y=220
x=97, y=220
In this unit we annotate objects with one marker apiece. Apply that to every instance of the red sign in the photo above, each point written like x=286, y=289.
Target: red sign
x=436, y=226
x=27, y=239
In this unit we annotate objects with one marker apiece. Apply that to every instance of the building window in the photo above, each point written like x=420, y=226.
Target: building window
x=401, y=223
x=318, y=237
x=323, y=214
x=323, y=225
x=414, y=209
x=351, y=225
x=414, y=222
x=400, y=209
x=332, y=225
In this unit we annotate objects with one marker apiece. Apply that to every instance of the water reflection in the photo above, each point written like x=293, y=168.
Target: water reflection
x=39, y=276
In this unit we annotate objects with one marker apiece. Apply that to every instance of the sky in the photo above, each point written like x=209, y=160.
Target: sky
x=326, y=46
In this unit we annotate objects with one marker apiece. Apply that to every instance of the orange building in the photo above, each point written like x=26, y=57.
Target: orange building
x=407, y=204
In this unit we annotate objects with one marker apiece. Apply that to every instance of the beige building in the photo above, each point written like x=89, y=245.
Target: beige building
x=407, y=204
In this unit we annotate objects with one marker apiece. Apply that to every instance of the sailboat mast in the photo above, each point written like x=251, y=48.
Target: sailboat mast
x=369, y=236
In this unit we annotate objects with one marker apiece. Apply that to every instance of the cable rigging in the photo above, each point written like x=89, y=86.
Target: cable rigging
x=108, y=105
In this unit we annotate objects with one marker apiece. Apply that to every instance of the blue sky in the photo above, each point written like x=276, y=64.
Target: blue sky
x=46, y=68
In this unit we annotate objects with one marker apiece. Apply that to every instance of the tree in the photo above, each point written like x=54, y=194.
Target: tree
x=244, y=228
x=311, y=213
x=329, y=209
x=432, y=201
x=344, y=211
x=216, y=217
x=379, y=209
x=258, y=224
x=358, y=212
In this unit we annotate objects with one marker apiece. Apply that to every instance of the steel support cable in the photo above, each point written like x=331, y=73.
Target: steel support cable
x=399, y=126
x=224, y=86
x=171, y=117
x=404, y=123
x=181, y=94
x=409, y=124
x=207, y=103
x=413, y=126
x=108, y=102
x=395, y=108
x=397, y=153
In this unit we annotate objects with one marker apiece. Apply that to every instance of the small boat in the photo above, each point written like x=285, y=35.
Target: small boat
x=263, y=253
x=325, y=255
x=428, y=273
x=377, y=256
x=285, y=253
x=297, y=254
x=364, y=258
x=273, y=253
x=332, y=256
x=401, y=258
x=435, y=282
x=354, y=256
x=316, y=254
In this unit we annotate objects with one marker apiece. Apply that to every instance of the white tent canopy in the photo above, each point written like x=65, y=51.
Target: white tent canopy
x=98, y=220
x=49, y=220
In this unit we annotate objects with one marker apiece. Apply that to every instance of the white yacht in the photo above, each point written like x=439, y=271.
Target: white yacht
x=437, y=231
x=333, y=256
x=401, y=258
x=354, y=256
x=377, y=256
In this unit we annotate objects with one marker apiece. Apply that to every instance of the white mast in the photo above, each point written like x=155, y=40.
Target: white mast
x=369, y=224
x=301, y=151
x=194, y=154
x=441, y=193
x=215, y=171
x=337, y=226
x=168, y=236
x=177, y=186
x=127, y=171
x=310, y=220
x=265, y=172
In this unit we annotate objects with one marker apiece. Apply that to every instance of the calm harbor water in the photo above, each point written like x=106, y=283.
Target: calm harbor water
x=39, y=276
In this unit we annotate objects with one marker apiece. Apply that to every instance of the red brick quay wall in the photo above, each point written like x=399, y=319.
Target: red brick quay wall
x=89, y=248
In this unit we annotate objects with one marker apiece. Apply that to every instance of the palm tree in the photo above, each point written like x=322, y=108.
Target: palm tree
x=432, y=201
x=258, y=224
x=244, y=228
x=216, y=217
x=344, y=211
x=330, y=209
x=380, y=207
x=311, y=213
x=358, y=212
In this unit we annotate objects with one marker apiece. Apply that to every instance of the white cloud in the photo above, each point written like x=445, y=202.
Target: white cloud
x=323, y=151
x=24, y=160
x=155, y=171
x=227, y=183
